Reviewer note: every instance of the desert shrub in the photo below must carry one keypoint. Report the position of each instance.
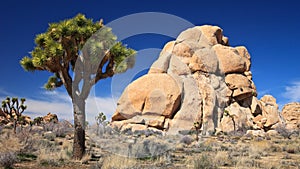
(127, 131)
(26, 157)
(147, 149)
(222, 158)
(49, 135)
(49, 126)
(9, 143)
(186, 140)
(284, 132)
(27, 140)
(8, 159)
(61, 129)
(204, 162)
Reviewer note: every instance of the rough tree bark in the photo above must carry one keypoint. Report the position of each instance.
(79, 127)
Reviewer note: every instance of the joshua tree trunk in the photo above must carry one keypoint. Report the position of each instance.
(79, 126)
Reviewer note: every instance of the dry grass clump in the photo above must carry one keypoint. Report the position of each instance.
(10, 145)
(115, 161)
(222, 158)
(259, 149)
(204, 161)
(244, 162)
(9, 142)
(54, 157)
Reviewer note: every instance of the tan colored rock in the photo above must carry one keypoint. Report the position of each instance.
(243, 93)
(204, 60)
(240, 116)
(211, 35)
(152, 94)
(157, 122)
(256, 133)
(209, 107)
(190, 110)
(28, 120)
(248, 74)
(133, 127)
(167, 123)
(138, 127)
(191, 34)
(270, 110)
(225, 41)
(177, 67)
(268, 99)
(291, 115)
(117, 116)
(260, 121)
(235, 81)
(117, 124)
(244, 53)
(229, 59)
(168, 48)
(183, 50)
(161, 65)
(256, 107)
(50, 118)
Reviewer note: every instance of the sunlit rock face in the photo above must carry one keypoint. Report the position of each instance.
(197, 78)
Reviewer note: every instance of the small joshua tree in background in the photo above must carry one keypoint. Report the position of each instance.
(101, 121)
(14, 109)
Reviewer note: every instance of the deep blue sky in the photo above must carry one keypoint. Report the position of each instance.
(269, 30)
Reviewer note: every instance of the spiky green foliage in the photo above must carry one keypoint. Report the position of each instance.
(58, 49)
(14, 109)
(100, 119)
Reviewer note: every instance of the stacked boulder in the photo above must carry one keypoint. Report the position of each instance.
(197, 78)
(291, 115)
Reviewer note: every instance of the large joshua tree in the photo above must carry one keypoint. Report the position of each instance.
(79, 53)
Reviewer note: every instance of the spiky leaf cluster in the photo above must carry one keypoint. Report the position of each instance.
(12, 106)
(78, 42)
(100, 119)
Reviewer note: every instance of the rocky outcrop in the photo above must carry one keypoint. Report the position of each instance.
(291, 115)
(50, 118)
(197, 78)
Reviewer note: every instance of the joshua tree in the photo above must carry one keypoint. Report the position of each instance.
(13, 109)
(100, 121)
(84, 49)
